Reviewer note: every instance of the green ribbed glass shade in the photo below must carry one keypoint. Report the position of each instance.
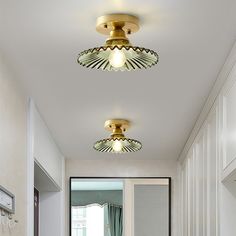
(127, 145)
(136, 58)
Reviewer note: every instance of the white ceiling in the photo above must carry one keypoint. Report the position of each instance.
(41, 40)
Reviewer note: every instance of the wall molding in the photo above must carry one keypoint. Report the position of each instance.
(220, 81)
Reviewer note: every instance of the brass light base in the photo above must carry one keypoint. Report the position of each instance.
(115, 124)
(106, 23)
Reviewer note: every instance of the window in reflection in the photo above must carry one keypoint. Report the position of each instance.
(88, 221)
(96, 208)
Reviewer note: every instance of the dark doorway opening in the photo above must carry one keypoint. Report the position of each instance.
(36, 212)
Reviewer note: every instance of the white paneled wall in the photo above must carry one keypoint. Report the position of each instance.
(208, 169)
(199, 180)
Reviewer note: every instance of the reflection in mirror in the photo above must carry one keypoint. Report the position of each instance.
(150, 210)
(96, 207)
(120, 206)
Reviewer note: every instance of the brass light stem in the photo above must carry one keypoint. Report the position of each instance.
(117, 26)
(117, 35)
(117, 132)
(117, 30)
(117, 127)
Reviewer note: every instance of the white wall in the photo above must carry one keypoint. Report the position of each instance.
(52, 209)
(125, 168)
(49, 202)
(52, 212)
(13, 145)
(51, 162)
(45, 151)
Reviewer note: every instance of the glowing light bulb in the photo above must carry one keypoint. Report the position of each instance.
(117, 58)
(117, 146)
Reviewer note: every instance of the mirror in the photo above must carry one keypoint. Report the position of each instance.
(120, 206)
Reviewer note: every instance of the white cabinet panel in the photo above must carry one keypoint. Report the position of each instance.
(228, 101)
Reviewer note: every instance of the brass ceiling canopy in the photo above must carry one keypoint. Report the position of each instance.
(117, 143)
(118, 54)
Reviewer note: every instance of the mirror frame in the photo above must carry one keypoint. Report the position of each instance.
(169, 193)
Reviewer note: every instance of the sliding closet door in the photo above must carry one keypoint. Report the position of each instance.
(147, 209)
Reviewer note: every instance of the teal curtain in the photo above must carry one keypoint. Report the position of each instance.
(115, 220)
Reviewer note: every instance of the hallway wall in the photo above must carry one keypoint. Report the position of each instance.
(13, 146)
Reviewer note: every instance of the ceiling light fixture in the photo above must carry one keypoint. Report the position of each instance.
(117, 143)
(118, 54)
